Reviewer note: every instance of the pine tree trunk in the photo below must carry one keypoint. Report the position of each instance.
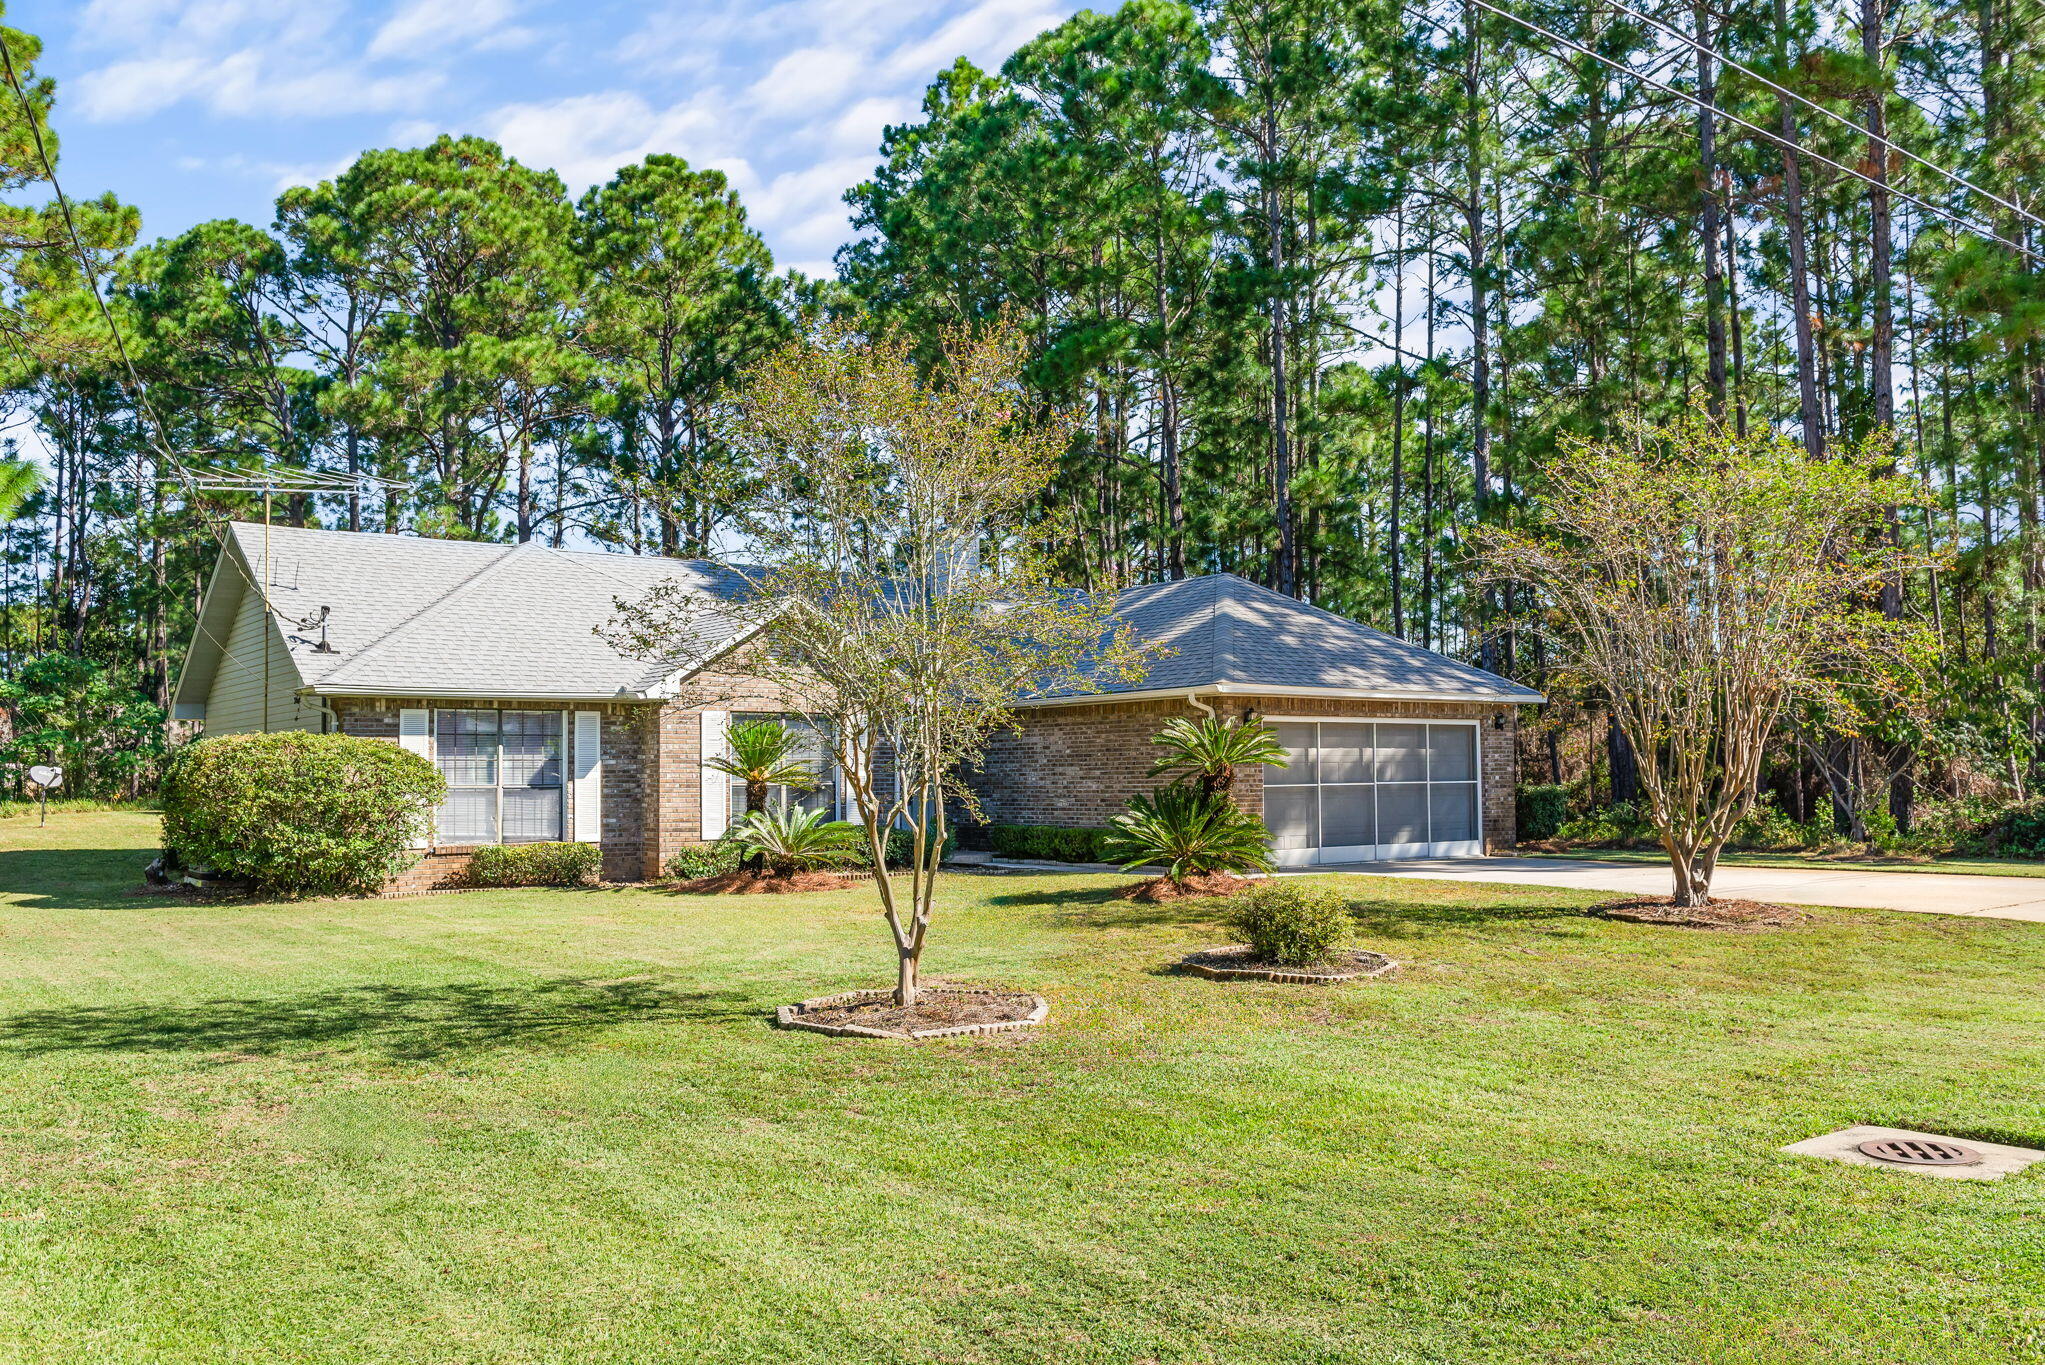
(1810, 413)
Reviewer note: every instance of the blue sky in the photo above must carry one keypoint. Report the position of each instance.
(196, 109)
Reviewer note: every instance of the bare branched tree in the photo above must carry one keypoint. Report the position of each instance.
(1705, 581)
(903, 603)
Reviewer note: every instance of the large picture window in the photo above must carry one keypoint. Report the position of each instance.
(1352, 790)
(503, 771)
(814, 753)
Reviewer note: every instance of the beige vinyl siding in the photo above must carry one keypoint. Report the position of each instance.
(236, 703)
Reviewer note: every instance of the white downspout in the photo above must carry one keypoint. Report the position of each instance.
(1194, 699)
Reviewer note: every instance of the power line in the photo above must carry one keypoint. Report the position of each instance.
(1836, 117)
(1986, 234)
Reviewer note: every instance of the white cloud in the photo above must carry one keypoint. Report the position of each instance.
(807, 78)
(586, 138)
(424, 28)
(985, 34)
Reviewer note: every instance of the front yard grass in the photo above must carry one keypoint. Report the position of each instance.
(556, 1126)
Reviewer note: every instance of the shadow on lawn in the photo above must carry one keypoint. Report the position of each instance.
(73, 878)
(408, 1023)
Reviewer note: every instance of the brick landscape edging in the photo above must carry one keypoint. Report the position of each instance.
(1213, 973)
(790, 1016)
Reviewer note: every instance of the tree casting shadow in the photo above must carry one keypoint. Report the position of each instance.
(73, 878)
(407, 1023)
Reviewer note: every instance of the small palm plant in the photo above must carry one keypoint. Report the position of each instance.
(1207, 752)
(763, 757)
(1190, 832)
(793, 839)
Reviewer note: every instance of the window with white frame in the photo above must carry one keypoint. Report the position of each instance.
(813, 752)
(504, 776)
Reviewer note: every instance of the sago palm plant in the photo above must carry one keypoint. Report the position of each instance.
(1189, 832)
(1207, 752)
(763, 756)
(793, 839)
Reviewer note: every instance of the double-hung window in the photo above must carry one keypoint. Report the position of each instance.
(814, 754)
(503, 771)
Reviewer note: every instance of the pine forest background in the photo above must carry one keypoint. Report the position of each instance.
(1326, 280)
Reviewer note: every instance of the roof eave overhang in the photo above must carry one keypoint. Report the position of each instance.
(404, 692)
(1526, 697)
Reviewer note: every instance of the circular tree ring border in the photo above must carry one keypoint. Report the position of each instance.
(1366, 964)
(791, 1016)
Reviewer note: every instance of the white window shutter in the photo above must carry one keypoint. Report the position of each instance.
(589, 777)
(716, 785)
(415, 732)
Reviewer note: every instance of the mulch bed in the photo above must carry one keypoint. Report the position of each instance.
(743, 883)
(1719, 914)
(939, 1011)
(1237, 962)
(1196, 887)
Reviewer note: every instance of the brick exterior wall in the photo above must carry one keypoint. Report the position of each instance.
(652, 773)
(1079, 765)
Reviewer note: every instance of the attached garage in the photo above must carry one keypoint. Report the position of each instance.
(1354, 789)
(1393, 750)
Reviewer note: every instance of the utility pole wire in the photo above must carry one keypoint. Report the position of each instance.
(1838, 118)
(1985, 234)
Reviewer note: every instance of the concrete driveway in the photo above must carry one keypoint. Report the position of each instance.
(1932, 893)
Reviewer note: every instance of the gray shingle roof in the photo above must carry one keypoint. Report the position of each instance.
(1227, 631)
(438, 616)
(412, 616)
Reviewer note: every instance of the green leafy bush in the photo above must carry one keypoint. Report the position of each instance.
(1542, 809)
(693, 862)
(2015, 831)
(1768, 829)
(791, 839)
(1054, 843)
(900, 846)
(535, 864)
(1291, 924)
(299, 814)
(1618, 826)
(1190, 832)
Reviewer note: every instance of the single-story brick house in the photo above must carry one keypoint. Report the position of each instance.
(485, 659)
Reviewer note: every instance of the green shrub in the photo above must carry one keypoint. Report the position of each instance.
(1542, 809)
(1054, 843)
(2015, 831)
(1619, 826)
(790, 839)
(535, 864)
(693, 862)
(299, 814)
(1768, 829)
(1190, 832)
(1291, 924)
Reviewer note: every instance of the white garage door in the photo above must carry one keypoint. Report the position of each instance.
(1353, 790)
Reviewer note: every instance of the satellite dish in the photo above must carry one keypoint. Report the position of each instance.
(46, 776)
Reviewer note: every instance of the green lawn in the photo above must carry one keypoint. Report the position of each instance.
(1833, 862)
(557, 1126)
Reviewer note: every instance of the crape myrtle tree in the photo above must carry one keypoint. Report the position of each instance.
(904, 608)
(1707, 581)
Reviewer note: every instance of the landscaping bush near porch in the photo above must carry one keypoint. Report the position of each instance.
(535, 865)
(299, 814)
(1053, 843)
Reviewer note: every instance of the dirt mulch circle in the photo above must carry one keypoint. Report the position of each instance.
(939, 1012)
(743, 883)
(1238, 963)
(1719, 914)
(1197, 887)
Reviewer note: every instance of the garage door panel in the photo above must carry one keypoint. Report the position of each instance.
(1345, 753)
(1451, 753)
(1452, 812)
(1402, 813)
(1297, 739)
(1348, 816)
(1401, 753)
(1293, 816)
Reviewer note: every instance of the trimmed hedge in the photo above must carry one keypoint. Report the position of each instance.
(535, 864)
(1290, 924)
(1053, 843)
(299, 814)
(693, 862)
(1542, 810)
